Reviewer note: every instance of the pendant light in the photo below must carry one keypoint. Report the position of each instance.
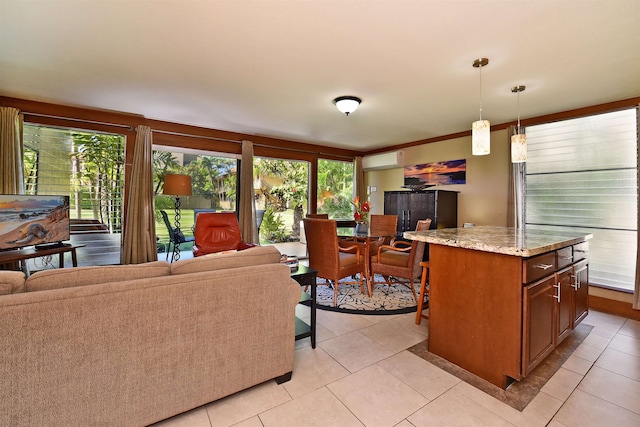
(519, 140)
(480, 129)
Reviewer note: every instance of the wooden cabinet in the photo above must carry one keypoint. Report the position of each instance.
(581, 291)
(563, 303)
(539, 331)
(410, 206)
(555, 303)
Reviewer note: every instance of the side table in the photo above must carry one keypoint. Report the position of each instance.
(306, 276)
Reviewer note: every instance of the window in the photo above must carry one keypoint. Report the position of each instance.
(89, 167)
(581, 175)
(281, 191)
(335, 188)
(213, 186)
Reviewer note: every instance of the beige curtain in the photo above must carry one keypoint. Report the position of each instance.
(358, 177)
(636, 292)
(140, 228)
(516, 188)
(247, 209)
(11, 151)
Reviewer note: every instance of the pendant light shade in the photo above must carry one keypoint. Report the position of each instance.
(347, 104)
(480, 138)
(519, 140)
(480, 129)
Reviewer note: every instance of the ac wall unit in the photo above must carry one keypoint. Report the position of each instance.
(390, 160)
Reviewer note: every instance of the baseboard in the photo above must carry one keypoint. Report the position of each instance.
(619, 308)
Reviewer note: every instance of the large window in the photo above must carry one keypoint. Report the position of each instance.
(281, 192)
(335, 188)
(89, 167)
(581, 175)
(213, 186)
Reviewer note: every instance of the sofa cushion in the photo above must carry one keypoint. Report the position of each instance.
(11, 282)
(257, 255)
(80, 276)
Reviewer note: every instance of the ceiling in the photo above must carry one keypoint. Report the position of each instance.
(272, 68)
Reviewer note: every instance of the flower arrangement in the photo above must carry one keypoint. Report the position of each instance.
(362, 210)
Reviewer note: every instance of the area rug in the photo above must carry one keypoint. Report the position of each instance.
(385, 299)
(520, 393)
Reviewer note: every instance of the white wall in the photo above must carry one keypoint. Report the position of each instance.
(482, 200)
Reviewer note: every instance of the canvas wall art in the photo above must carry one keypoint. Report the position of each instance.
(436, 173)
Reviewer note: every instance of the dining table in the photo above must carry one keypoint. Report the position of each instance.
(365, 241)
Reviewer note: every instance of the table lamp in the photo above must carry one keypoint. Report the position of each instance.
(177, 185)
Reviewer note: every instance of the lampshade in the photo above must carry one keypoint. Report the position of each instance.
(518, 148)
(347, 104)
(177, 185)
(519, 140)
(480, 138)
(480, 129)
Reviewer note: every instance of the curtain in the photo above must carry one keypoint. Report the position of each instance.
(140, 227)
(11, 151)
(636, 292)
(247, 219)
(358, 176)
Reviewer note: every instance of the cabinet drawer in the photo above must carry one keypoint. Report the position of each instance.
(538, 267)
(580, 251)
(564, 257)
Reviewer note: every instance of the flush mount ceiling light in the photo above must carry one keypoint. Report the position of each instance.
(519, 140)
(480, 129)
(347, 104)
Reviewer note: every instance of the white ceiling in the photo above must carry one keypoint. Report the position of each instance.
(272, 68)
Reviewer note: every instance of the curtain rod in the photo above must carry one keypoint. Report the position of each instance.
(317, 153)
(79, 120)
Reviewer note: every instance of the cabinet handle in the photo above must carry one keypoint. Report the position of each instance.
(557, 297)
(568, 258)
(543, 266)
(576, 283)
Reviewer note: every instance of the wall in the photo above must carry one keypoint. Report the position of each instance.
(483, 200)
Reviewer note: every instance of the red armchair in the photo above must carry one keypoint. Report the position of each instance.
(217, 232)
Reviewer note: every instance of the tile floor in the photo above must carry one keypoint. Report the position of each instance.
(360, 374)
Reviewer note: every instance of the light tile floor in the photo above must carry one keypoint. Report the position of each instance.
(360, 374)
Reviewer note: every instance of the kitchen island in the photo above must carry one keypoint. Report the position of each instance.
(501, 299)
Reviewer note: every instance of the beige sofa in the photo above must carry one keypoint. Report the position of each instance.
(132, 345)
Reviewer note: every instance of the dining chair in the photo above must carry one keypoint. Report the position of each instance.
(332, 261)
(400, 259)
(385, 226)
(318, 216)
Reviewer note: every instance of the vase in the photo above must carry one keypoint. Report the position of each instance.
(362, 228)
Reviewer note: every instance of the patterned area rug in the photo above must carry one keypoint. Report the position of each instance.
(385, 299)
(520, 393)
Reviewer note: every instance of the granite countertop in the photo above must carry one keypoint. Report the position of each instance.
(502, 240)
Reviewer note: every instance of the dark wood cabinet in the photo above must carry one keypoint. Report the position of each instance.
(539, 327)
(410, 206)
(581, 292)
(556, 303)
(563, 297)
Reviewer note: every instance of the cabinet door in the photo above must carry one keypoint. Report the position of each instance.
(420, 206)
(395, 204)
(538, 325)
(564, 302)
(581, 291)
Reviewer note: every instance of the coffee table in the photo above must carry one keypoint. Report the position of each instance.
(306, 276)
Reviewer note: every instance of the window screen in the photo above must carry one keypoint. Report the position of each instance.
(581, 175)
